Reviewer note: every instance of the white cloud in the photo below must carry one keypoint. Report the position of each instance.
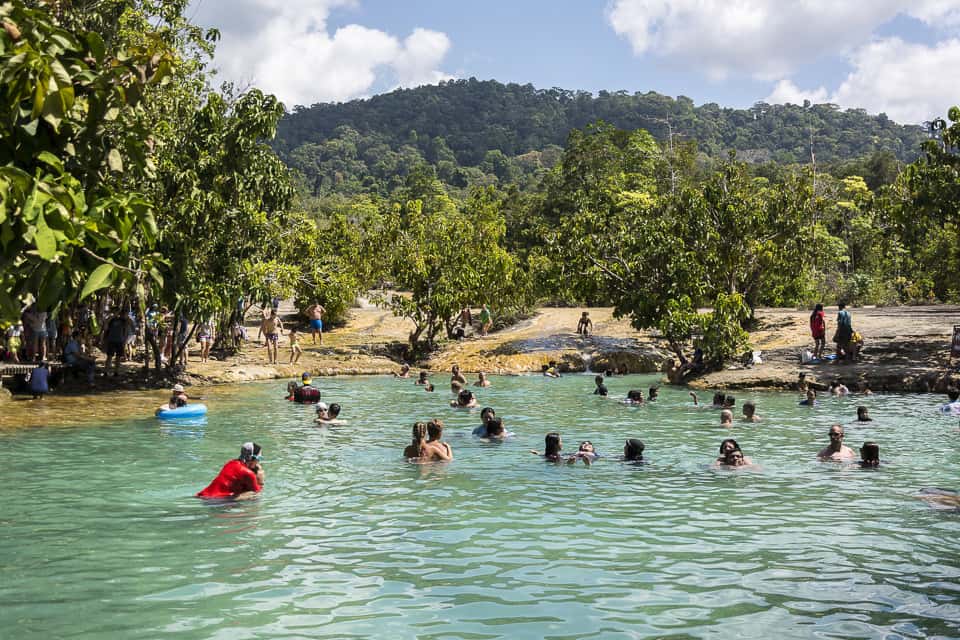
(285, 47)
(909, 82)
(767, 39)
(786, 92)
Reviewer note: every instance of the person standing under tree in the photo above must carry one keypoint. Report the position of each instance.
(818, 329)
(844, 331)
(315, 313)
(486, 320)
(271, 328)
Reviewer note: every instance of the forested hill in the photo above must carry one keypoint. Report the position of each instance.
(475, 131)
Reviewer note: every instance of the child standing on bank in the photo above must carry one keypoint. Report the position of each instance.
(295, 349)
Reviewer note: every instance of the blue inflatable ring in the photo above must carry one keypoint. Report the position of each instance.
(189, 411)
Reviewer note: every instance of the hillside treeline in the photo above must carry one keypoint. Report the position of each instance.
(480, 133)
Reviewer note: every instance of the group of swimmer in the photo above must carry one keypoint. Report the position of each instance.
(244, 476)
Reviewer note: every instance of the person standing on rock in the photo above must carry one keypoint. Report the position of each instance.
(844, 330)
(818, 329)
(585, 325)
(315, 313)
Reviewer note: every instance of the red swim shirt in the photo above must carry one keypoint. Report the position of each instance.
(234, 478)
(818, 327)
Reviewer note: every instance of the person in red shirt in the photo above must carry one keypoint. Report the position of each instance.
(818, 329)
(240, 478)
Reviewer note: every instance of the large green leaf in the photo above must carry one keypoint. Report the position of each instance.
(45, 240)
(100, 278)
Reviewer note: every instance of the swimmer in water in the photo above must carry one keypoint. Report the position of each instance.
(465, 400)
(750, 412)
(837, 388)
(482, 380)
(634, 396)
(552, 447)
(404, 371)
(549, 372)
(330, 416)
(422, 379)
(940, 498)
(601, 389)
(436, 448)
(495, 431)
(653, 393)
(415, 449)
(726, 447)
(734, 459)
(836, 450)
(457, 381)
(726, 418)
(585, 452)
(486, 414)
(811, 399)
(869, 455)
(428, 387)
(633, 451)
(862, 415)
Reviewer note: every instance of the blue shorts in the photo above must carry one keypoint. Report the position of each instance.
(317, 324)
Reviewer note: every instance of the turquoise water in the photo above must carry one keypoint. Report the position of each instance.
(103, 539)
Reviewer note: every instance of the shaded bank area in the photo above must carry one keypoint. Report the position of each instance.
(907, 349)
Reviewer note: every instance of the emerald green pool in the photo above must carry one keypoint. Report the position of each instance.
(102, 537)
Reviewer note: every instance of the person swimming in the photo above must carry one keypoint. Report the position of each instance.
(330, 415)
(465, 400)
(486, 414)
(811, 399)
(726, 418)
(585, 452)
(863, 415)
(653, 393)
(634, 396)
(869, 455)
(633, 450)
(549, 371)
(750, 412)
(414, 450)
(552, 447)
(422, 378)
(495, 430)
(482, 380)
(601, 389)
(436, 449)
(726, 447)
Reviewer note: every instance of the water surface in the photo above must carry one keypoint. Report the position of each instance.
(104, 539)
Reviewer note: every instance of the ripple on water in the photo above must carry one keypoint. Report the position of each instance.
(349, 541)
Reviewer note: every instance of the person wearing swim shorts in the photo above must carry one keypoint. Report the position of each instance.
(239, 478)
(271, 328)
(315, 313)
(205, 338)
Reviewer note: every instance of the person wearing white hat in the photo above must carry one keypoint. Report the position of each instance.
(240, 478)
(178, 398)
(322, 409)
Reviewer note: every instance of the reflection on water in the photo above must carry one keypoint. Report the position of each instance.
(103, 538)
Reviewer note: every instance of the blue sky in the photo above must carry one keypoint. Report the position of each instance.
(892, 56)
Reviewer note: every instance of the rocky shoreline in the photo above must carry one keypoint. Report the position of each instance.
(907, 351)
